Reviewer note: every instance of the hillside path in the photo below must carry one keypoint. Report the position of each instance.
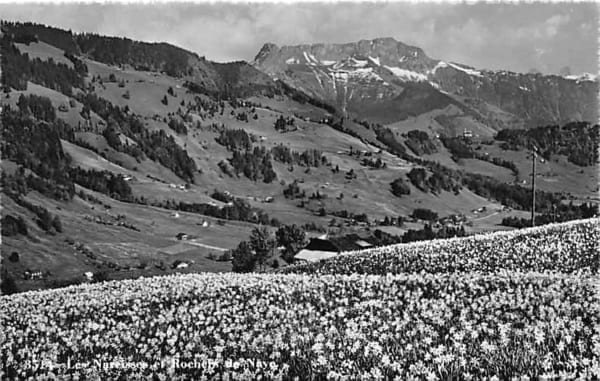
(205, 245)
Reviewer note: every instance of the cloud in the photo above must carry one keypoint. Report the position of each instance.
(554, 23)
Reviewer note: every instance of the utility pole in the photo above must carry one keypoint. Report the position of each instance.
(533, 157)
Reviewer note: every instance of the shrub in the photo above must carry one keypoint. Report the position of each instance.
(242, 258)
(400, 188)
(12, 226)
(424, 214)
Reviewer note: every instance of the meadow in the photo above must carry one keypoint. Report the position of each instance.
(498, 317)
(570, 247)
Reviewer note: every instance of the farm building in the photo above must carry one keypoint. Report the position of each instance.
(324, 247)
(182, 236)
(33, 274)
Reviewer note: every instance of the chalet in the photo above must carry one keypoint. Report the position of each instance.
(32, 274)
(363, 244)
(181, 236)
(323, 247)
(89, 275)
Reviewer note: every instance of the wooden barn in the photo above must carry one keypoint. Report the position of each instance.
(324, 248)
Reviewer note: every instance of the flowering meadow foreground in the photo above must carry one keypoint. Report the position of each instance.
(486, 323)
(566, 247)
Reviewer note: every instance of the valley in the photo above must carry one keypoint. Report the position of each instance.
(156, 138)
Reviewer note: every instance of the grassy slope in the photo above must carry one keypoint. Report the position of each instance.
(156, 240)
(44, 52)
(71, 116)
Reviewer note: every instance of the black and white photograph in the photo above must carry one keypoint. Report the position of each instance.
(300, 190)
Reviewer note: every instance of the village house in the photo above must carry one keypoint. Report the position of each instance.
(33, 274)
(323, 247)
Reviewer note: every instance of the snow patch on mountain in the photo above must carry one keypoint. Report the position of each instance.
(310, 59)
(306, 57)
(358, 63)
(442, 64)
(318, 77)
(358, 74)
(466, 70)
(375, 60)
(439, 65)
(407, 75)
(365, 73)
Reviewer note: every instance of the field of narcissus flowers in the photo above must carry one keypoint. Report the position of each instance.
(570, 247)
(487, 323)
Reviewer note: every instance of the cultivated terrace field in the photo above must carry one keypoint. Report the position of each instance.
(516, 305)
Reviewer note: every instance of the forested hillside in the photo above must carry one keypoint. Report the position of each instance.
(123, 158)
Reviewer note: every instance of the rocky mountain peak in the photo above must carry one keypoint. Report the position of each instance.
(373, 72)
(267, 49)
(385, 51)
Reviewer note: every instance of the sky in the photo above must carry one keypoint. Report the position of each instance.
(519, 37)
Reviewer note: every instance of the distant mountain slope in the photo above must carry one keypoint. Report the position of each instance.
(114, 148)
(236, 78)
(372, 74)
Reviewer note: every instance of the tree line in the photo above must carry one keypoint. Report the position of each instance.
(578, 141)
(156, 145)
(18, 69)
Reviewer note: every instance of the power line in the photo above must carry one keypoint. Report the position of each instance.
(534, 151)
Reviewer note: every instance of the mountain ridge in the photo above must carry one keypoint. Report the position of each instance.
(270, 46)
(341, 72)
